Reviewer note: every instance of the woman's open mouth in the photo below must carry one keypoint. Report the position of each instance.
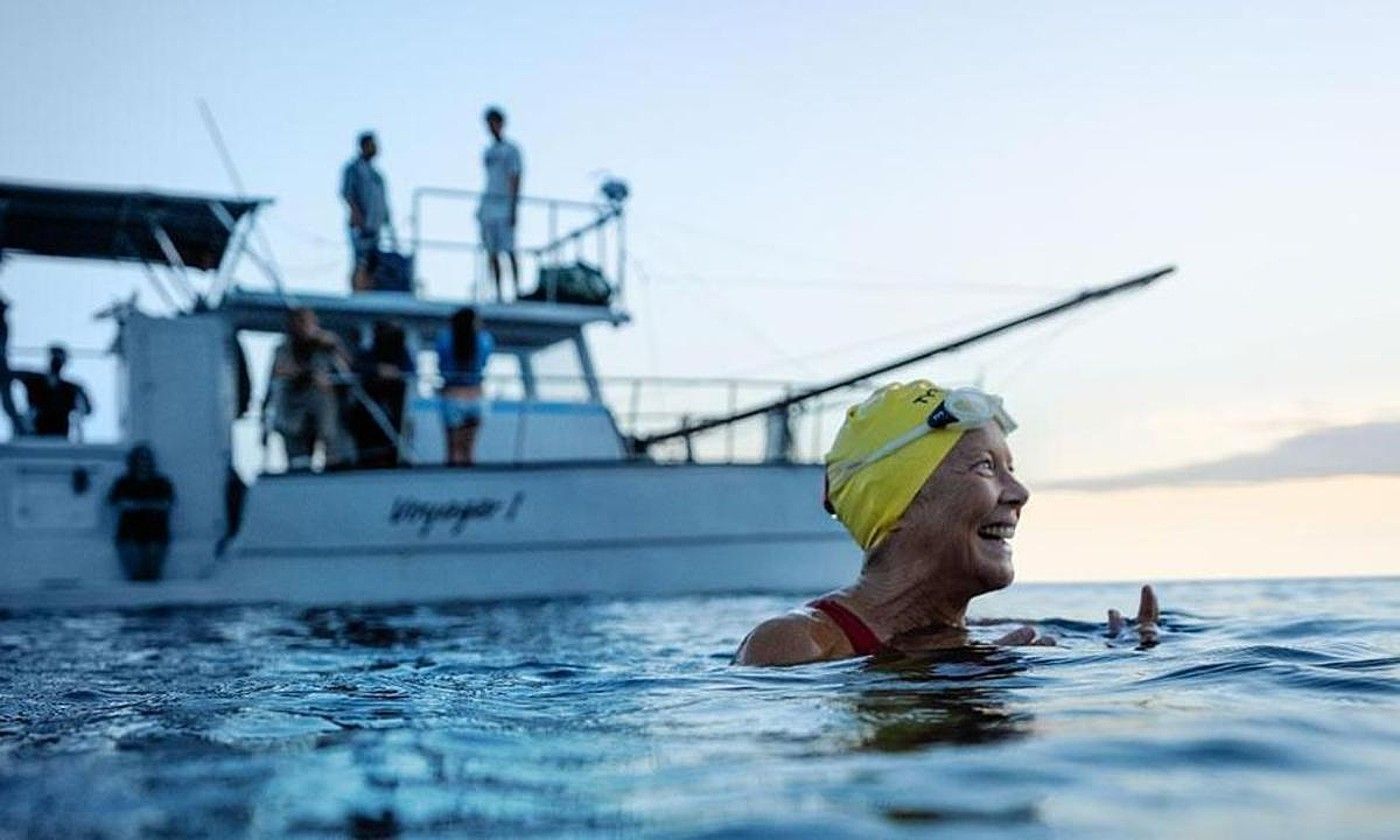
(997, 531)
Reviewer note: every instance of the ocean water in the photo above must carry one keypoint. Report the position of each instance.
(1268, 709)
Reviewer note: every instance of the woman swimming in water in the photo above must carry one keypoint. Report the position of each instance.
(922, 479)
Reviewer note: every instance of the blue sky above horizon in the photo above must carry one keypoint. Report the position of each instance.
(818, 186)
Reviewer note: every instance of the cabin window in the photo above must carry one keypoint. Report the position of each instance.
(558, 373)
(503, 380)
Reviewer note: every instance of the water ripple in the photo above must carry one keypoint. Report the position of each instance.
(577, 718)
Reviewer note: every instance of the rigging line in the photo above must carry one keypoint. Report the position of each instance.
(949, 324)
(865, 286)
(910, 282)
(1014, 347)
(767, 248)
(219, 146)
(267, 259)
(836, 282)
(307, 235)
(737, 316)
(1049, 338)
(650, 330)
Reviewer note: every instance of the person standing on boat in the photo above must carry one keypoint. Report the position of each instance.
(305, 370)
(53, 400)
(499, 201)
(362, 187)
(143, 499)
(922, 478)
(462, 352)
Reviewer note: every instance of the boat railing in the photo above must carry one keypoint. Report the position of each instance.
(645, 406)
(553, 236)
(638, 407)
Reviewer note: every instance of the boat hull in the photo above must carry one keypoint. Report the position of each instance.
(488, 533)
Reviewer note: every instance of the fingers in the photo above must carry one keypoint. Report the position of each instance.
(1148, 614)
(1148, 611)
(1023, 635)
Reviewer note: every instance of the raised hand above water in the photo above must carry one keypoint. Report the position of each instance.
(1145, 624)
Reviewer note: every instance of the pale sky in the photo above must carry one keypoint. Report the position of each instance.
(818, 187)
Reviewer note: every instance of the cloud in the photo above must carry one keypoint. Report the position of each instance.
(1367, 449)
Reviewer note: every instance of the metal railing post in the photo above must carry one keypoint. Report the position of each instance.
(635, 406)
(621, 256)
(553, 224)
(729, 430)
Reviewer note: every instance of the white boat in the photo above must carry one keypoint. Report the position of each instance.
(562, 502)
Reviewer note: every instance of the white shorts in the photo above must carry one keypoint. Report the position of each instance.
(497, 235)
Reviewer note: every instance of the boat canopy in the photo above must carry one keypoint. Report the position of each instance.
(518, 324)
(180, 231)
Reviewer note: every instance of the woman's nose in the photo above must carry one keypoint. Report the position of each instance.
(1014, 492)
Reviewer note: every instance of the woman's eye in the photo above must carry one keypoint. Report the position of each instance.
(985, 465)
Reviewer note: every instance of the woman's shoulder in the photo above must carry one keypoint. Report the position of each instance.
(793, 638)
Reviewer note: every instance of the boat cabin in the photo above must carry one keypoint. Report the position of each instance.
(544, 401)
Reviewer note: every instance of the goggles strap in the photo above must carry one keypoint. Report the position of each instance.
(888, 448)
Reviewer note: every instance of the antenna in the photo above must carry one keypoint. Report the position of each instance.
(218, 137)
(268, 262)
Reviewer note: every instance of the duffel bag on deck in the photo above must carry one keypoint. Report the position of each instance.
(393, 272)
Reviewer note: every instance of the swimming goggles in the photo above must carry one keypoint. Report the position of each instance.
(961, 408)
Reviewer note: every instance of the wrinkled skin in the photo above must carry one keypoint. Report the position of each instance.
(975, 487)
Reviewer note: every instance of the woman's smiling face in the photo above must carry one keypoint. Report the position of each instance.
(966, 512)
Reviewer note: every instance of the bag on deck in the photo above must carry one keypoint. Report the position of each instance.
(393, 272)
(579, 283)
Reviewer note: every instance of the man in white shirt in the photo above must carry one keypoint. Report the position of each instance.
(500, 199)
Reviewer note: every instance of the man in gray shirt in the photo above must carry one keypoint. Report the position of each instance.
(362, 187)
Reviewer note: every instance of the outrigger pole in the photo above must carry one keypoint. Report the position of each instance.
(641, 444)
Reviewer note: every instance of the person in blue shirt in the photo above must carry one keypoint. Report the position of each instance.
(462, 352)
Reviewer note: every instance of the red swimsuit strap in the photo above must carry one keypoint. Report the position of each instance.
(863, 640)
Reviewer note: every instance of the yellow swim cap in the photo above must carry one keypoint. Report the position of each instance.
(889, 446)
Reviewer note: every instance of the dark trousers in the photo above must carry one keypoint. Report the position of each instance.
(142, 560)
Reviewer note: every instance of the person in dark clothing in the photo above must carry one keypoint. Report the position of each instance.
(53, 400)
(19, 424)
(383, 369)
(143, 499)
